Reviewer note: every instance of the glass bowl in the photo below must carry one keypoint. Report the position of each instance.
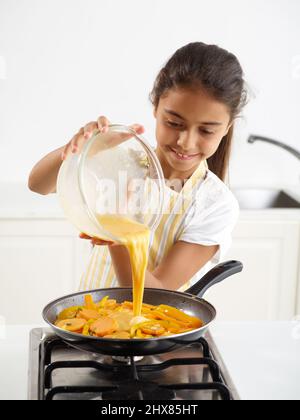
(116, 173)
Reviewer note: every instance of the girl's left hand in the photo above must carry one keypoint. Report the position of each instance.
(96, 241)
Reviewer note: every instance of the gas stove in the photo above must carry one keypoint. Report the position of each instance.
(58, 371)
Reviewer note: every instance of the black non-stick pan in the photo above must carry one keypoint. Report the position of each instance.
(190, 302)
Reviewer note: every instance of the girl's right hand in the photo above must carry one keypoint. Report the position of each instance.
(77, 142)
(97, 241)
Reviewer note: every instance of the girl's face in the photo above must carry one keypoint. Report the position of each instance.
(190, 126)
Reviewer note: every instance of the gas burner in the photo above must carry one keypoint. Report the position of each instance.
(59, 371)
(126, 359)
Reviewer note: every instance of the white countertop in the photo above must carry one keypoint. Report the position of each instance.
(263, 359)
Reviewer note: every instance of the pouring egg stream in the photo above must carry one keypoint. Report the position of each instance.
(126, 320)
(135, 236)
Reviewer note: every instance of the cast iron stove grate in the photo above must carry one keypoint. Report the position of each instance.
(189, 373)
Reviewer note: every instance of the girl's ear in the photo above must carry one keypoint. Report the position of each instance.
(154, 112)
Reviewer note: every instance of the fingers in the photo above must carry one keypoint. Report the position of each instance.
(103, 124)
(119, 137)
(89, 129)
(86, 132)
(66, 151)
(84, 236)
(138, 128)
(95, 241)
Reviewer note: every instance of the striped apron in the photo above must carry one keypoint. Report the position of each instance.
(178, 210)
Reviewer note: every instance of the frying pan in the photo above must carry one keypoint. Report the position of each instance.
(190, 302)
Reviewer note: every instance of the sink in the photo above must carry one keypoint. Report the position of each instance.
(264, 198)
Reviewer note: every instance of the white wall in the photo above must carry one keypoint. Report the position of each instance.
(65, 62)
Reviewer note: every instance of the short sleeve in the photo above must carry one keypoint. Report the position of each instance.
(213, 223)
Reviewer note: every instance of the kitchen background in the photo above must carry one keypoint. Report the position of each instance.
(63, 63)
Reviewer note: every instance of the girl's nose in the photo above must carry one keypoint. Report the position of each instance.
(187, 141)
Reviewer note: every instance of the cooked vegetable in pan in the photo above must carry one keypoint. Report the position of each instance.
(109, 319)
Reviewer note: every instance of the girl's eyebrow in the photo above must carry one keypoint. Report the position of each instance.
(175, 114)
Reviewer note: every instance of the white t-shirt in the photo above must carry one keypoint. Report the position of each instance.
(211, 220)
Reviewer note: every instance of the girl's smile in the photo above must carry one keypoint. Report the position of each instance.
(182, 157)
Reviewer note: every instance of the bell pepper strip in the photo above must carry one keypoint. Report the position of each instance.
(147, 306)
(140, 334)
(180, 316)
(161, 316)
(86, 328)
(111, 304)
(102, 302)
(133, 330)
(184, 330)
(146, 311)
(171, 327)
(127, 304)
(89, 303)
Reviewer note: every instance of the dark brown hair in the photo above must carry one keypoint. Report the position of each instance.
(198, 65)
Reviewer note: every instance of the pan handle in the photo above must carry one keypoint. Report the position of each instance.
(216, 275)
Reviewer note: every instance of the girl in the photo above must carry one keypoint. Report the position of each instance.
(196, 98)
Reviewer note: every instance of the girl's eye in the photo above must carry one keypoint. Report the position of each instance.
(174, 124)
(206, 132)
(180, 126)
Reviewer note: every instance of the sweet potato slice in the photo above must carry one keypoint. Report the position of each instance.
(88, 314)
(72, 325)
(104, 326)
(69, 313)
(152, 328)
